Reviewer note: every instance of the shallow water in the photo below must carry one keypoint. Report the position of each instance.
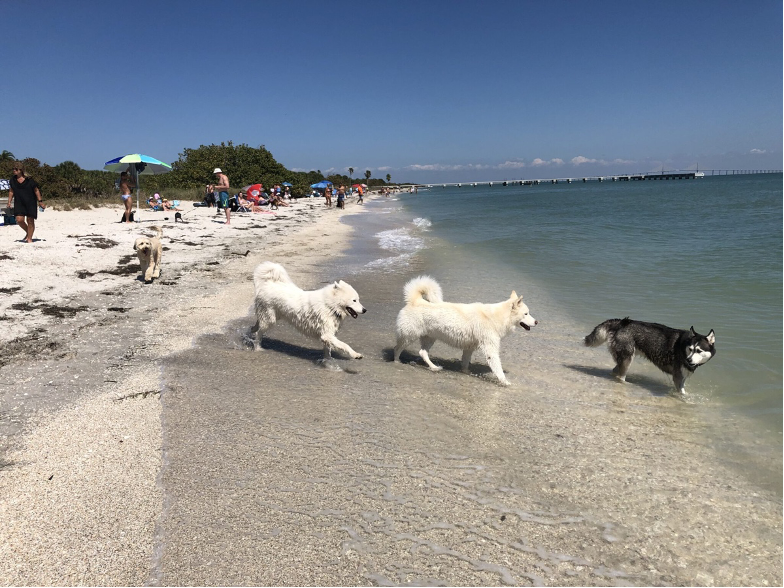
(704, 253)
(281, 469)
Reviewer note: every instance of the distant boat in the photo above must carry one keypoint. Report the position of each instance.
(699, 174)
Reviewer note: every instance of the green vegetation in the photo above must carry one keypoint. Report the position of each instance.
(66, 185)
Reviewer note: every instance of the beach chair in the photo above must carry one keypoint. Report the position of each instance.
(238, 203)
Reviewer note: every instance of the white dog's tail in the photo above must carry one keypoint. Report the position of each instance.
(270, 272)
(423, 287)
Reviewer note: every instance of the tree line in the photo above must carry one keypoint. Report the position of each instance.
(193, 170)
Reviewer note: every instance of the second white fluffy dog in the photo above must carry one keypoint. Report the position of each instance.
(314, 313)
(466, 326)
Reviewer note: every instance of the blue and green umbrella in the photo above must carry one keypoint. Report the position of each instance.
(138, 165)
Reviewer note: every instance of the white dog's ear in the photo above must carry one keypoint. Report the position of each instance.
(335, 286)
(513, 295)
(519, 301)
(134, 246)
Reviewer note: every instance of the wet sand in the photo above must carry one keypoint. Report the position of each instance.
(274, 468)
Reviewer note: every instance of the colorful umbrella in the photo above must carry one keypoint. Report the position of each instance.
(253, 191)
(287, 184)
(139, 165)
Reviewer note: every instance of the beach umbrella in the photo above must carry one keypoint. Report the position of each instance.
(287, 184)
(321, 185)
(254, 190)
(139, 165)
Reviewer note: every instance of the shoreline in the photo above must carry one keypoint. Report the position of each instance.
(580, 479)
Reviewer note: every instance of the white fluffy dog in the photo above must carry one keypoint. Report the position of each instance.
(149, 251)
(314, 313)
(466, 326)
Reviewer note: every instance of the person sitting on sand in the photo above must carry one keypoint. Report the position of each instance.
(155, 202)
(275, 201)
(168, 205)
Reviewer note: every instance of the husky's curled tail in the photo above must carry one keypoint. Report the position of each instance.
(270, 272)
(422, 288)
(603, 331)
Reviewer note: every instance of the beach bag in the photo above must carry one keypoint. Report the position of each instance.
(9, 219)
(130, 218)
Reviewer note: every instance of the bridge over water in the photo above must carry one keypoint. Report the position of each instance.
(657, 176)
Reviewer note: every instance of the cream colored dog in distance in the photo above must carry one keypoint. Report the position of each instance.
(314, 313)
(149, 250)
(466, 326)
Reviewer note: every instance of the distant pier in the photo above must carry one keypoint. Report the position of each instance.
(663, 175)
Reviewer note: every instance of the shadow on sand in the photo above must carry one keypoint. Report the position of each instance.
(654, 386)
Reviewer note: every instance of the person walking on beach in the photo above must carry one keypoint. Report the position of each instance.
(126, 187)
(342, 197)
(27, 198)
(361, 191)
(222, 187)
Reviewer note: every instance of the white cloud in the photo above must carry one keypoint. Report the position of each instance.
(444, 167)
(538, 162)
(510, 165)
(758, 151)
(580, 160)
(384, 168)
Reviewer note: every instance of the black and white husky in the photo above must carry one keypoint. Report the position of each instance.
(673, 351)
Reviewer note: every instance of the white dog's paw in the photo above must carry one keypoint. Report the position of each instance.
(357, 356)
(436, 368)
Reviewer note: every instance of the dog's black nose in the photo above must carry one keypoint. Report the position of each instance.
(364, 310)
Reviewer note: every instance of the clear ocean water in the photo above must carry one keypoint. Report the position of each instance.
(705, 253)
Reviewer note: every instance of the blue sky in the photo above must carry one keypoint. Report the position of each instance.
(424, 91)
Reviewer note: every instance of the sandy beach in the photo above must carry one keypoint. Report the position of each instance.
(130, 457)
(82, 337)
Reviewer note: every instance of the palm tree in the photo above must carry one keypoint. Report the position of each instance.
(7, 156)
(388, 178)
(367, 175)
(350, 173)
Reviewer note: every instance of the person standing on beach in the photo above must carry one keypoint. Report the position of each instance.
(27, 198)
(126, 187)
(222, 188)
